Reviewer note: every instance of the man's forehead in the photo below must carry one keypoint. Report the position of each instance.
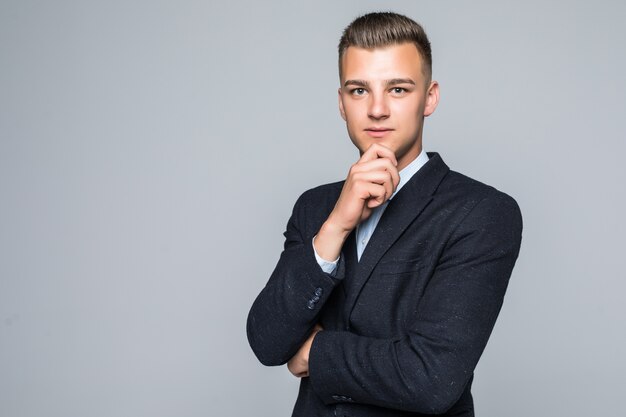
(386, 62)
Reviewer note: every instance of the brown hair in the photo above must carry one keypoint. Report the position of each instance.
(379, 29)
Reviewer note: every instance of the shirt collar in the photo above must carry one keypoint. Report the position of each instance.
(408, 171)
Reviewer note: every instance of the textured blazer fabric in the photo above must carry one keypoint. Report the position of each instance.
(405, 326)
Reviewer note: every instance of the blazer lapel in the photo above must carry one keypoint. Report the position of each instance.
(401, 211)
(351, 261)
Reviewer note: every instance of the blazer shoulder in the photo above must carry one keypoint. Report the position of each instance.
(313, 207)
(320, 196)
(322, 190)
(480, 200)
(464, 186)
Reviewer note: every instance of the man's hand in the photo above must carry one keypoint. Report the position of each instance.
(370, 182)
(299, 364)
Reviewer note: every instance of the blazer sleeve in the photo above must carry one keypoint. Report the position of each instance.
(427, 369)
(286, 310)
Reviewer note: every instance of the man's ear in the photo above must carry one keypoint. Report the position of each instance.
(432, 98)
(341, 110)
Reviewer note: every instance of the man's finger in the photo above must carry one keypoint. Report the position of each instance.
(376, 151)
(383, 178)
(379, 164)
(375, 195)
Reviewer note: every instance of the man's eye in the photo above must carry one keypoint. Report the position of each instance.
(358, 91)
(398, 90)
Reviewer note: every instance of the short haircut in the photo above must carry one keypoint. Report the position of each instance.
(380, 29)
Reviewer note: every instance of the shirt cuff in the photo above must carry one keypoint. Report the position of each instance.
(327, 266)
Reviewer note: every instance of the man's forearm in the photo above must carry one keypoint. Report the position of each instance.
(287, 309)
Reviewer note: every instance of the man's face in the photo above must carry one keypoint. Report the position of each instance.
(384, 97)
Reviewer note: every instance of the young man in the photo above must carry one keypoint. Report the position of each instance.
(390, 282)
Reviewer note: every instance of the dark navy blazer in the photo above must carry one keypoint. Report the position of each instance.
(404, 327)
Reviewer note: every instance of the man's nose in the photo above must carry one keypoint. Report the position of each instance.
(378, 106)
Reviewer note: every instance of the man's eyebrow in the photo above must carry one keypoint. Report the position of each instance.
(359, 83)
(395, 81)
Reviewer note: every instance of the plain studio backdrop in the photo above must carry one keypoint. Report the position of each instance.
(151, 153)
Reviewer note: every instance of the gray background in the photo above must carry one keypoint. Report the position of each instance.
(151, 152)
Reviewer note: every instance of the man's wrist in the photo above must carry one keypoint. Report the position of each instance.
(330, 267)
(330, 240)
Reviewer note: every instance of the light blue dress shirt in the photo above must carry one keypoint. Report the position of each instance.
(366, 228)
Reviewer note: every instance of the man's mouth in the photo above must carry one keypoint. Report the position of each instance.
(378, 132)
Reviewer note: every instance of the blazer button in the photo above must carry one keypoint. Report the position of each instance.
(310, 305)
(319, 291)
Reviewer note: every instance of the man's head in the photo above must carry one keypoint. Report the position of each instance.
(381, 29)
(386, 88)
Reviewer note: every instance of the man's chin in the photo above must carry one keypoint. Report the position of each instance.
(364, 143)
(368, 144)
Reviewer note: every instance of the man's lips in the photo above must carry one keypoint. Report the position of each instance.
(378, 132)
